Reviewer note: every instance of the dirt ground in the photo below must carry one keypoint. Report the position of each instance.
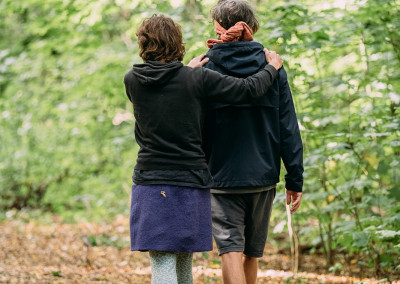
(94, 253)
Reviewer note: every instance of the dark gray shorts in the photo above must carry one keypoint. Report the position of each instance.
(240, 221)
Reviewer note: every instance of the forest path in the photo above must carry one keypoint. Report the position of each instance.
(99, 253)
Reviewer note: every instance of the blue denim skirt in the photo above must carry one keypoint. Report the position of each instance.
(170, 218)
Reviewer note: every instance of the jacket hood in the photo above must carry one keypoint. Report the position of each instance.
(155, 72)
(240, 58)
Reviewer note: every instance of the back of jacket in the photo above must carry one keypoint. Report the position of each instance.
(169, 102)
(244, 143)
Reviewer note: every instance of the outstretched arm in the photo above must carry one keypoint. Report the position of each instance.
(226, 89)
(271, 56)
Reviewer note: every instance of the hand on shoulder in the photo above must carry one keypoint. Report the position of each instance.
(273, 59)
(198, 61)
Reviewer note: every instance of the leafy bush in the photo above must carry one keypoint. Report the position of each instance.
(66, 128)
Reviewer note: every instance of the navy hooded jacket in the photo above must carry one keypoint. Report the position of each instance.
(244, 143)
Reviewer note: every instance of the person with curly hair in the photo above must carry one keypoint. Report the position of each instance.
(170, 206)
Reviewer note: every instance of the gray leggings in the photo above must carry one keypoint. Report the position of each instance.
(171, 267)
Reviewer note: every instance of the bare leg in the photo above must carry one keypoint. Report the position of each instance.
(250, 267)
(232, 268)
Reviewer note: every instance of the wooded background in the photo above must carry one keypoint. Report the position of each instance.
(66, 126)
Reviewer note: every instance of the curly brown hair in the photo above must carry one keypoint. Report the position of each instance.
(228, 12)
(160, 39)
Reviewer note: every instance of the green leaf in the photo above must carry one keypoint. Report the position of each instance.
(388, 234)
(56, 273)
(361, 239)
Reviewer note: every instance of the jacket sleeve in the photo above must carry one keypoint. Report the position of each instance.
(291, 144)
(226, 89)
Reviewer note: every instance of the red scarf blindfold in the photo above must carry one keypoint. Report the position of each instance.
(240, 31)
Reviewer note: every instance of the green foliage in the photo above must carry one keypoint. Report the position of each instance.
(56, 273)
(105, 240)
(66, 126)
(344, 62)
(66, 129)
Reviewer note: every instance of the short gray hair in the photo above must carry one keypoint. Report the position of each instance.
(228, 12)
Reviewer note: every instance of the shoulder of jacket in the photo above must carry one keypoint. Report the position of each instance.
(128, 76)
(196, 71)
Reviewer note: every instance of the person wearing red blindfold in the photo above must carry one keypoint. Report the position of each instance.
(244, 145)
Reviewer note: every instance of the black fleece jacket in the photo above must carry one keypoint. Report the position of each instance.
(244, 143)
(169, 102)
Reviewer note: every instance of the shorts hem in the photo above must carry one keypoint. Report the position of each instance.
(254, 254)
(230, 249)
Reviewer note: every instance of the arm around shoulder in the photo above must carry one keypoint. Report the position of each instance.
(227, 89)
(238, 90)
